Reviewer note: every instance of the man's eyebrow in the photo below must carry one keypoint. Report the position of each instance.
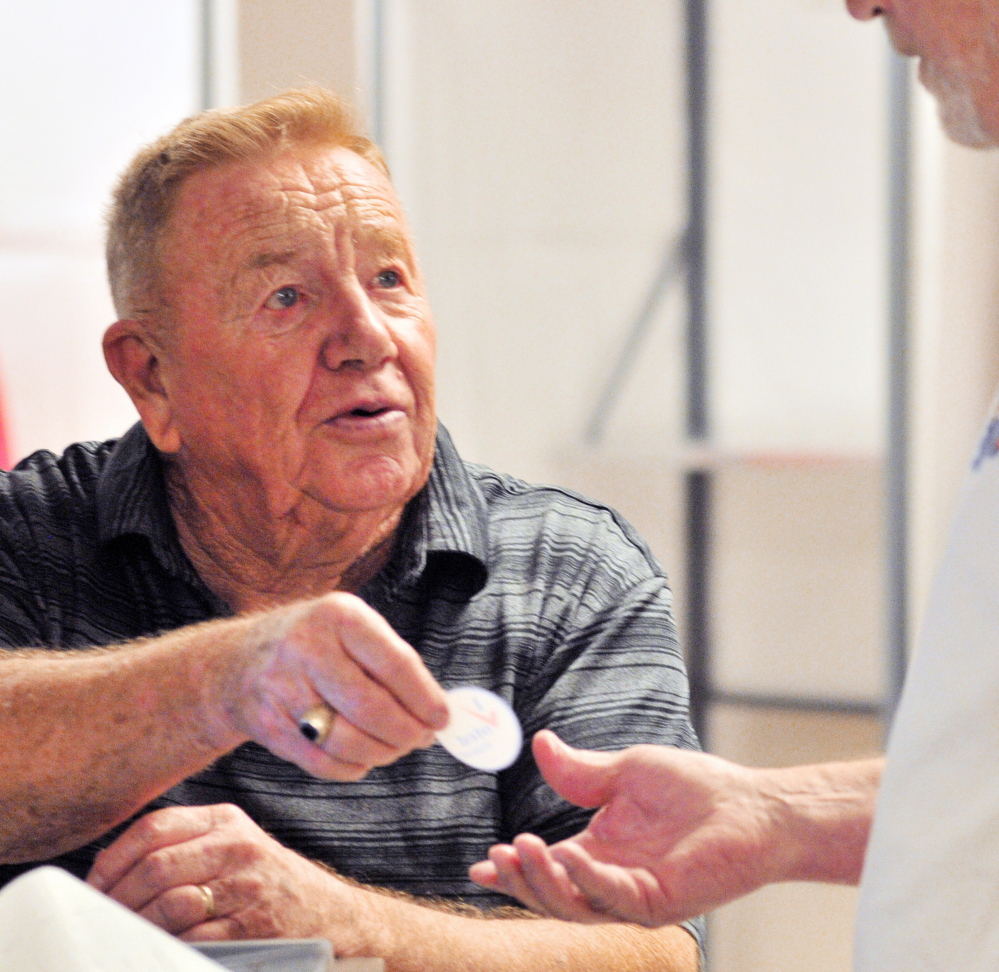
(387, 237)
(270, 259)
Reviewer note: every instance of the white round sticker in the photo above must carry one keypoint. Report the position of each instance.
(483, 731)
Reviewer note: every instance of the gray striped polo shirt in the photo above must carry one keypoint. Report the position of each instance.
(544, 597)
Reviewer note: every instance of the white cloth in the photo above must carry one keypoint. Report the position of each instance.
(51, 921)
(930, 892)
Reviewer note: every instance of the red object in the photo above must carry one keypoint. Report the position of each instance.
(5, 462)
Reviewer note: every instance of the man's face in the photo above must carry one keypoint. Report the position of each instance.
(300, 369)
(957, 42)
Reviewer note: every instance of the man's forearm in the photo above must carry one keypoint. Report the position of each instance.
(414, 937)
(824, 819)
(88, 737)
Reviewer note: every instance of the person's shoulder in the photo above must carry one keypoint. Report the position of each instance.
(545, 513)
(47, 478)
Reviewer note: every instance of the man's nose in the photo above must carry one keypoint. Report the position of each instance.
(359, 335)
(865, 9)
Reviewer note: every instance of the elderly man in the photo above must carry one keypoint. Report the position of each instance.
(287, 529)
(679, 833)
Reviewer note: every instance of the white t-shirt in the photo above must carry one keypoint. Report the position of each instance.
(930, 892)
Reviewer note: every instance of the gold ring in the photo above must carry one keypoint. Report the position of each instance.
(208, 896)
(315, 725)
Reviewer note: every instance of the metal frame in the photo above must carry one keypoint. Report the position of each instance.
(699, 483)
(671, 270)
(689, 254)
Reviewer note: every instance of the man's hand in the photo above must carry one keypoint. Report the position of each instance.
(174, 864)
(87, 738)
(677, 834)
(258, 888)
(338, 652)
(680, 833)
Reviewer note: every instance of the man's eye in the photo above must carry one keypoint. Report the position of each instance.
(389, 279)
(284, 298)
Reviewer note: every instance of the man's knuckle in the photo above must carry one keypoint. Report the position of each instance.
(150, 828)
(227, 813)
(337, 607)
(252, 853)
(157, 868)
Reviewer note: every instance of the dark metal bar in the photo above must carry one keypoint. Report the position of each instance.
(697, 488)
(896, 476)
(673, 263)
(698, 483)
(697, 214)
(207, 54)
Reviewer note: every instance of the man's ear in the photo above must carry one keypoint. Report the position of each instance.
(135, 364)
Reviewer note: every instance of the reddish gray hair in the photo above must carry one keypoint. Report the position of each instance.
(145, 194)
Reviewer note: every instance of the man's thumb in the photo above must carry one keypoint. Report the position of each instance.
(580, 776)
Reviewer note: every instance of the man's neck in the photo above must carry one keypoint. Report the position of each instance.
(254, 561)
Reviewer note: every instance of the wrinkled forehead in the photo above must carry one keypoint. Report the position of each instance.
(301, 193)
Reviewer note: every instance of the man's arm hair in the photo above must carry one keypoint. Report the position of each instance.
(430, 935)
(87, 738)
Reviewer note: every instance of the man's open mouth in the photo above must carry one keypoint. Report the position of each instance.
(369, 412)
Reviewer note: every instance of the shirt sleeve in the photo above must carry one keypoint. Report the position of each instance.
(23, 560)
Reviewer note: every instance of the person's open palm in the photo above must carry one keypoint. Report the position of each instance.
(677, 833)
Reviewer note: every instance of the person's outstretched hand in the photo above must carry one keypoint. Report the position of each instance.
(679, 833)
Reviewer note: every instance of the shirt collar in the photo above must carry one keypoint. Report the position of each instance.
(444, 536)
(132, 501)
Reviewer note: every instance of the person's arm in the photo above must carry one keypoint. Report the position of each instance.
(89, 737)
(680, 833)
(260, 889)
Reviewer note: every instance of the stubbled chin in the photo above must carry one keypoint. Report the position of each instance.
(959, 115)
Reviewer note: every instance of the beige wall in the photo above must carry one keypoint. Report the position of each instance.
(284, 44)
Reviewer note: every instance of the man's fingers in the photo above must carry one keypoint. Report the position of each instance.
(186, 865)
(284, 739)
(147, 835)
(218, 930)
(527, 872)
(625, 894)
(338, 651)
(371, 708)
(179, 909)
(578, 775)
(509, 879)
(484, 873)
(370, 640)
(550, 884)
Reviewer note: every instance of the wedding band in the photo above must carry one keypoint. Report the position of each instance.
(315, 725)
(208, 896)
